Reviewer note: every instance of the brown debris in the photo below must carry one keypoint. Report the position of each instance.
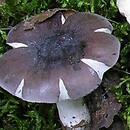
(103, 107)
(2, 2)
(117, 125)
(28, 25)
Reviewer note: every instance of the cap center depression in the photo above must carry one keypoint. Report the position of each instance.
(63, 48)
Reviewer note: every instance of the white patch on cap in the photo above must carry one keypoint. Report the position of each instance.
(97, 66)
(19, 90)
(73, 112)
(105, 30)
(17, 44)
(62, 19)
(63, 91)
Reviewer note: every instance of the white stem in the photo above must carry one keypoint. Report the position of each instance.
(73, 114)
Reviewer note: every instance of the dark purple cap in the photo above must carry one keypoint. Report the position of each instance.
(59, 54)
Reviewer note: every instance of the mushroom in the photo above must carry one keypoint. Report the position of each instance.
(124, 8)
(59, 56)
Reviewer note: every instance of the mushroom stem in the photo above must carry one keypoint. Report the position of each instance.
(74, 114)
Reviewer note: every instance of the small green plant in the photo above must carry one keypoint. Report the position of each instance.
(122, 92)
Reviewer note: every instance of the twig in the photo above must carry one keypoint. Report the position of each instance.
(125, 72)
(5, 29)
(113, 21)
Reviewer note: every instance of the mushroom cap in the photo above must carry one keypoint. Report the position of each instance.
(57, 55)
(124, 8)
